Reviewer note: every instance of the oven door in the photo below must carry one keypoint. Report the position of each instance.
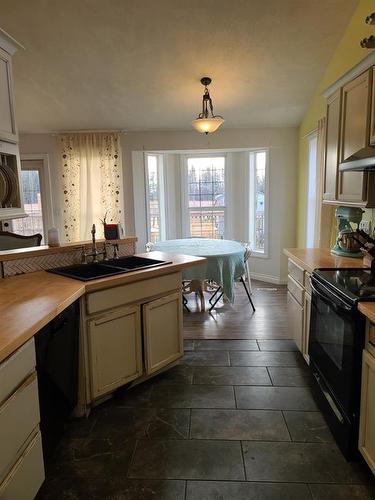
(335, 345)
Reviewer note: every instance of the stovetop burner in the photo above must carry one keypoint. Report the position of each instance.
(356, 284)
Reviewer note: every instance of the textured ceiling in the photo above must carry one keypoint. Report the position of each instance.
(136, 64)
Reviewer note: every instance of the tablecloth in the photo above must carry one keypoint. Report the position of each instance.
(225, 260)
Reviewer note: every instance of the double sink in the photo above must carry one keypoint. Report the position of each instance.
(111, 267)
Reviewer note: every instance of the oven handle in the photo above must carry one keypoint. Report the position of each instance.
(338, 302)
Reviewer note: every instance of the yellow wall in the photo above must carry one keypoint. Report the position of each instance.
(347, 54)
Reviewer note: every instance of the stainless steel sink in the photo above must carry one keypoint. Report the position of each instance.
(112, 267)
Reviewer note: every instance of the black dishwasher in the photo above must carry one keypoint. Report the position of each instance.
(57, 350)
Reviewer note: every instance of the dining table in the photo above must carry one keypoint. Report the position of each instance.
(224, 261)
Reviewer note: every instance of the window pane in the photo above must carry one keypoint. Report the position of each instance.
(33, 205)
(260, 179)
(153, 187)
(206, 196)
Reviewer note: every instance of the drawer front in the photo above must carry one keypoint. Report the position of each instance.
(295, 272)
(133, 292)
(16, 368)
(19, 416)
(27, 476)
(295, 289)
(307, 283)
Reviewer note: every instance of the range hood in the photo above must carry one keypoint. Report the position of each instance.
(363, 160)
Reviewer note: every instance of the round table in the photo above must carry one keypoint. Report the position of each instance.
(225, 260)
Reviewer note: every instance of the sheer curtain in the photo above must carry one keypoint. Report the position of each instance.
(91, 180)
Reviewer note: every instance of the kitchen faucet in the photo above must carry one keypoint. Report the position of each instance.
(94, 250)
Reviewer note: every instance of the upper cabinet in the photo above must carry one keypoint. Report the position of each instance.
(349, 120)
(11, 202)
(8, 46)
(332, 146)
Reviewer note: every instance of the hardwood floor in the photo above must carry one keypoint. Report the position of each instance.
(237, 321)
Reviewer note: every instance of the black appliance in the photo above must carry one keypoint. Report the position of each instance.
(57, 348)
(337, 337)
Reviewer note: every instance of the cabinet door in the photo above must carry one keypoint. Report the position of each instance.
(7, 121)
(372, 125)
(306, 325)
(295, 320)
(162, 327)
(115, 349)
(354, 136)
(332, 146)
(367, 414)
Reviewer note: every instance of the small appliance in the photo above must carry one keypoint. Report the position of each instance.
(347, 244)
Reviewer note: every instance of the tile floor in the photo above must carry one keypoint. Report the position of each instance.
(234, 420)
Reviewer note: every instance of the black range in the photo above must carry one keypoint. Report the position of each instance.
(337, 337)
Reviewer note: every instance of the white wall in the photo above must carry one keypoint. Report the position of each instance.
(282, 145)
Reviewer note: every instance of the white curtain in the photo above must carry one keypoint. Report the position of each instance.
(91, 180)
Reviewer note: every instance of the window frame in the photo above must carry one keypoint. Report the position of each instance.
(251, 203)
(161, 195)
(45, 188)
(185, 210)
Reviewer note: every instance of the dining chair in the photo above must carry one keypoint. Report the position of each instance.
(12, 241)
(218, 293)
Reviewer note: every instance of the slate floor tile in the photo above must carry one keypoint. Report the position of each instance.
(95, 458)
(341, 492)
(231, 375)
(277, 345)
(221, 490)
(275, 398)
(188, 345)
(226, 345)
(185, 396)
(290, 377)
(239, 424)
(305, 426)
(297, 462)
(179, 374)
(187, 459)
(206, 358)
(264, 358)
(142, 423)
(146, 489)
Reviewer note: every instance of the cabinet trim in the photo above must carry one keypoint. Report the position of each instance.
(9, 136)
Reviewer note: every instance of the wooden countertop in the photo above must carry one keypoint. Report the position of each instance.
(368, 309)
(313, 258)
(29, 301)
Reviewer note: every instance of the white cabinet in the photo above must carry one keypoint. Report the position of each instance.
(295, 320)
(115, 349)
(21, 459)
(299, 307)
(11, 202)
(367, 413)
(162, 328)
(130, 331)
(7, 121)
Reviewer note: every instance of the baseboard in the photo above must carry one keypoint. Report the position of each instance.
(268, 278)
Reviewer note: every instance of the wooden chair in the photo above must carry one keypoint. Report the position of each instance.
(11, 241)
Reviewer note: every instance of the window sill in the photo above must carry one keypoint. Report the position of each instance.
(258, 255)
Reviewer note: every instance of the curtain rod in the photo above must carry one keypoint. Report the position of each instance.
(88, 132)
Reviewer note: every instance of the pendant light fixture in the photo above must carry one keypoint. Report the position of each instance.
(207, 122)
